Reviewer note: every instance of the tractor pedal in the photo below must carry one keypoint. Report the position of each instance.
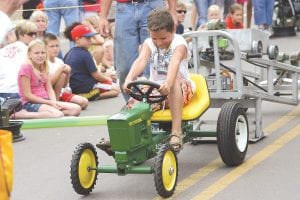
(105, 146)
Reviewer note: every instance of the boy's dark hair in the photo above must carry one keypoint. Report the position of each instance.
(67, 32)
(234, 7)
(160, 19)
(49, 37)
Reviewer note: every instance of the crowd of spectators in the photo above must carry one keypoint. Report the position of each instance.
(262, 9)
(38, 76)
(99, 57)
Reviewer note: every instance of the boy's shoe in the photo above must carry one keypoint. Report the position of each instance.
(176, 142)
(105, 145)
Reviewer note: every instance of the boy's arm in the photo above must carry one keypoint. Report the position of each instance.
(138, 65)
(98, 76)
(57, 73)
(179, 54)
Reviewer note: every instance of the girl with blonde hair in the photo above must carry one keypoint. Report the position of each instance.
(35, 88)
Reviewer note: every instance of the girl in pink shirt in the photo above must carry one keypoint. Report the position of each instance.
(35, 88)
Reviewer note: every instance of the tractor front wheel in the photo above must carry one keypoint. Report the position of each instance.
(165, 171)
(84, 168)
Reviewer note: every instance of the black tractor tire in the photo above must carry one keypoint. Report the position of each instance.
(165, 171)
(83, 168)
(232, 133)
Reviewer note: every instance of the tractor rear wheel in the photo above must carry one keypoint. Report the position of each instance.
(165, 171)
(83, 168)
(232, 133)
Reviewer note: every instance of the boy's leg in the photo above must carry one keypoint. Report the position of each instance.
(109, 94)
(98, 54)
(81, 101)
(176, 104)
(70, 109)
(60, 83)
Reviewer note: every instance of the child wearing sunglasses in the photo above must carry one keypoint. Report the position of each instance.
(12, 56)
(181, 11)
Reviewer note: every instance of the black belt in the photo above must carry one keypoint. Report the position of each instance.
(132, 1)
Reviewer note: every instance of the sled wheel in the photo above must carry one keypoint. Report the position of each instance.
(165, 171)
(256, 47)
(83, 168)
(272, 52)
(232, 133)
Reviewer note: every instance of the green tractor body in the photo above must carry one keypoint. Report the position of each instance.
(130, 135)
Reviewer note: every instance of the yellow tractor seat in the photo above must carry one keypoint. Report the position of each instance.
(196, 107)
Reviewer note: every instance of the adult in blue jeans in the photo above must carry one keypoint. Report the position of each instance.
(202, 7)
(70, 15)
(130, 30)
(263, 12)
(225, 4)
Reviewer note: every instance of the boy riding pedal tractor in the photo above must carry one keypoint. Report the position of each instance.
(168, 56)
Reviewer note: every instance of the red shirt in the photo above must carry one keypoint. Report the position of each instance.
(242, 1)
(230, 25)
(95, 8)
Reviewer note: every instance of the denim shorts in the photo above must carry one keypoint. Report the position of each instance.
(32, 107)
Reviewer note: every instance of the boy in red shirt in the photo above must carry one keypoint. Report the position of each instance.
(234, 19)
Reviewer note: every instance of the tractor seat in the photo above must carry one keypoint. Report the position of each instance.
(194, 109)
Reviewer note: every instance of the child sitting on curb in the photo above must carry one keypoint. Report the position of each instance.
(60, 73)
(35, 87)
(85, 78)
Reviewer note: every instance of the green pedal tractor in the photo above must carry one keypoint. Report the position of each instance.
(133, 139)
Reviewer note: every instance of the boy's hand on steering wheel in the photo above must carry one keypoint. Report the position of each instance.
(124, 87)
(164, 89)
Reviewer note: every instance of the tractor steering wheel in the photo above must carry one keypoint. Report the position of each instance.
(145, 94)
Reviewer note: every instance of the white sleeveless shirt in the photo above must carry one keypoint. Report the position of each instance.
(160, 59)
